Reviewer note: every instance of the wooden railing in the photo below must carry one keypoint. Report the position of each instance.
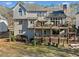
(59, 25)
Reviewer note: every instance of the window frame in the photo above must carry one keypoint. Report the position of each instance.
(20, 22)
(20, 11)
(32, 22)
(20, 31)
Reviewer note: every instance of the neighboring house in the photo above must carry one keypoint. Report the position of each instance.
(3, 24)
(34, 20)
(77, 22)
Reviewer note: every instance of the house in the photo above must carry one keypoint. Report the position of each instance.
(36, 21)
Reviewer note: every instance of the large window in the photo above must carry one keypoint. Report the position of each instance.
(40, 14)
(65, 6)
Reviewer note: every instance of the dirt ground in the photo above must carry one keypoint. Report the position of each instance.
(19, 49)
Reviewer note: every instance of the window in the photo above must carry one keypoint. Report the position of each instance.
(20, 11)
(20, 31)
(40, 14)
(20, 22)
(65, 6)
(24, 12)
(44, 31)
(78, 27)
(51, 19)
(32, 22)
(61, 18)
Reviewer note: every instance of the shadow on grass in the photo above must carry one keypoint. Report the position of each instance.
(68, 51)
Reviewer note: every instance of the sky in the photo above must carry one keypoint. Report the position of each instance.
(11, 4)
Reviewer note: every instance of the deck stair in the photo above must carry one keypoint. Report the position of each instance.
(74, 46)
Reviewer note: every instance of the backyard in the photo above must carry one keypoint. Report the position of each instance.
(19, 49)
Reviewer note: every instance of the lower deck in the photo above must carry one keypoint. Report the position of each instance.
(58, 40)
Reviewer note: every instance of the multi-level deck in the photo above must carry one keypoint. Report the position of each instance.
(46, 33)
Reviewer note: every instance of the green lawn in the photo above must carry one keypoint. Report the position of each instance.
(22, 50)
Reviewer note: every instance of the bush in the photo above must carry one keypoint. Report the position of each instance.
(21, 38)
(56, 45)
(31, 40)
(34, 42)
(18, 37)
(13, 38)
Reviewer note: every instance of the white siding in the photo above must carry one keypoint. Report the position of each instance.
(18, 27)
(16, 13)
(24, 27)
(30, 25)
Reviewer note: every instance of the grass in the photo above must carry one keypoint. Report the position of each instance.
(17, 49)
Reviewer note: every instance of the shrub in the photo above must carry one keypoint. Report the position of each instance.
(31, 40)
(21, 38)
(13, 38)
(34, 42)
(18, 37)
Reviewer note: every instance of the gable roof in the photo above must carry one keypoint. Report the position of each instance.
(32, 7)
(36, 7)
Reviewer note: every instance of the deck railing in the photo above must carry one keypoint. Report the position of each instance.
(59, 25)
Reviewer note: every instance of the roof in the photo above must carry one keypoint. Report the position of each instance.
(59, 13)
(33, 7)
(36, 7)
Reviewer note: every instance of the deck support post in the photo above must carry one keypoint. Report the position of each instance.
(75, 37)
(42, 34)
(9, 36)
(59, 37)
(50, 34)
(68, 36)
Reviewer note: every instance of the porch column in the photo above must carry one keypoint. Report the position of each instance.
(51, 32)
(75, 37)
(34, 42)
(68, 36)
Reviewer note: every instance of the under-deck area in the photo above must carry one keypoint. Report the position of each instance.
(54, 35)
